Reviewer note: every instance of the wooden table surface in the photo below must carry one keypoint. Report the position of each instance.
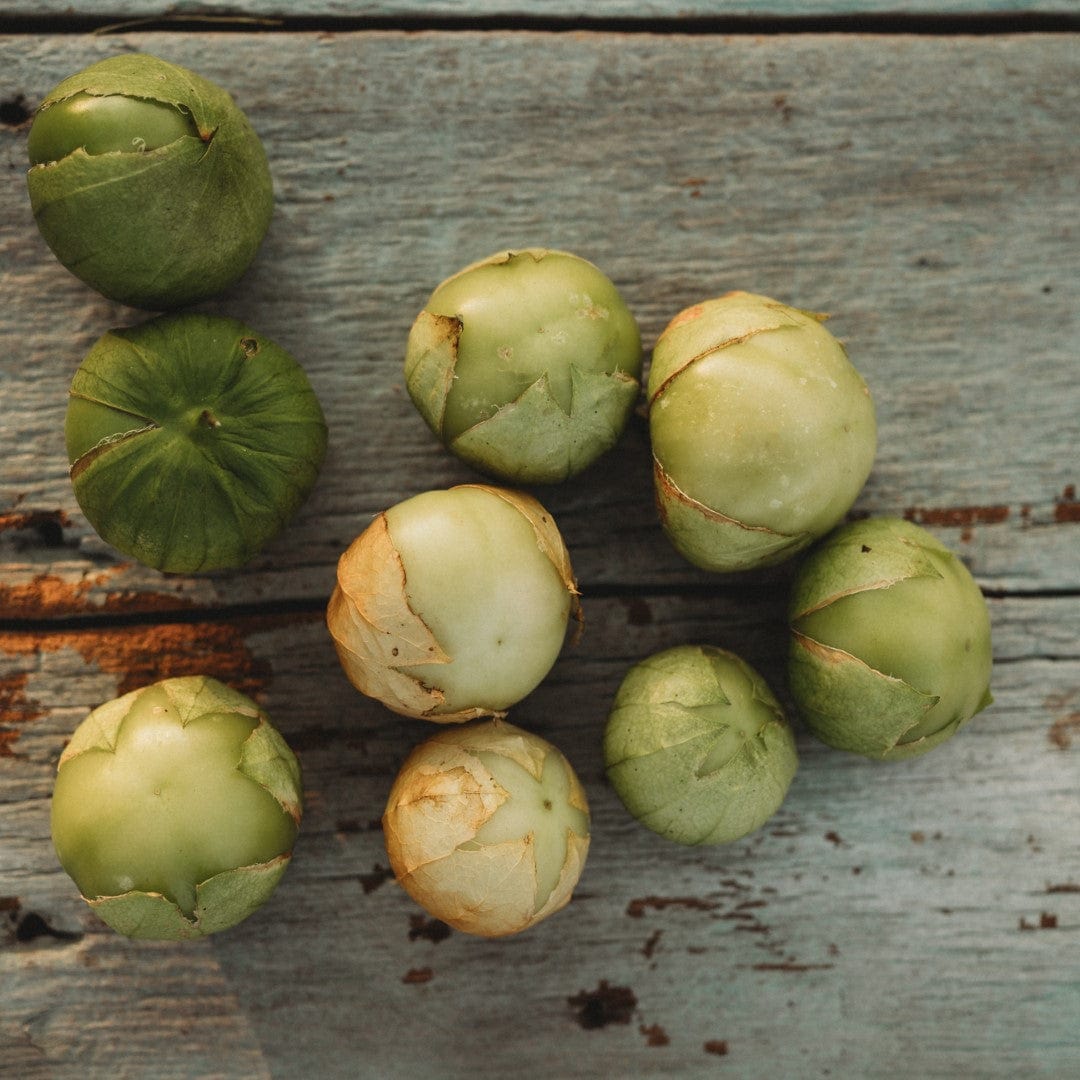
(919, 179)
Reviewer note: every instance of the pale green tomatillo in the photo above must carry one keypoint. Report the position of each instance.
(526, 365)
(762, 432)
(697, 747)
(175, 808)
(890, 652)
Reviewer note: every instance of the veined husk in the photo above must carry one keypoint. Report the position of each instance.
(193, 441)
(536, 435)
(162, 228)
(230, 896)
(845, 701)
(762, 431)
(442, 797)
(697, 746)
(377, 633)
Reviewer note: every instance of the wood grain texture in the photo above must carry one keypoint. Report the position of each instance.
(237, 11)
(921, 190)
(909, 920)
(913, 920)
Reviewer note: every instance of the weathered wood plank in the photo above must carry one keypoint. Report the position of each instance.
(908, 920)
(922, 190)
(599, 10)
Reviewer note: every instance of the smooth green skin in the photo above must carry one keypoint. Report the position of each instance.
(192, 441)
(913, 633)
(103, 125)
(540, 808)
(763, 426)
(148, 182)
(494, 601)
(177, 785)
(526, 365)
(697, 747)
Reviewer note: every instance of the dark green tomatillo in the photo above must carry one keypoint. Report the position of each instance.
(192, 441)
(526, 365)
(148, 182)
(890, 651)
(175, 808)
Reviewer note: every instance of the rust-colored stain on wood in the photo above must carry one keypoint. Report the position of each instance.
(1047, 921)
(49, 524)
(654, 1034)
(957, 516)
(636, 908)
(417, 976)
(1062, 730)
(140, 655)
(52, 596)
(15, 708)
(1066, 507)
(717, 1046)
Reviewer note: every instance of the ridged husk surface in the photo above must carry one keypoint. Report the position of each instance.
(161, 228)
(443, 797)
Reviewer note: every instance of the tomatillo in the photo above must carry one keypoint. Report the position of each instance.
(487, 827)
(526, 365)
(175, 809)
(697, 746)
(148, 182)
(762, 431)
(890, 640)
(193, 440)
(453, 604)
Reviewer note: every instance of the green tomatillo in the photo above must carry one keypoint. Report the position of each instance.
(148, 182)
(697, 746)
(192, 440)
(526, 365)
(487, 827)
(175, 809)
(453, 604)
(762, 432)
(890, 650)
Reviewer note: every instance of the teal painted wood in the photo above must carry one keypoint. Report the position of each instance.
(891, 921)
(910, 921)
(919, 189)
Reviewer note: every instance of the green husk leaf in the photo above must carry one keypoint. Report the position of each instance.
(534, 440)
(267, 759)
(832, 686)
(222, 901)
(870, 554)
(232, 444)
(165, 227)
(713, 541)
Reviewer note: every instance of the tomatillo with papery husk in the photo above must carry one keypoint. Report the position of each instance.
(763, 433)
(453, 604)
(193, 440)
(487, 827)
(890, 651)
(148, 182)
(526, 365)
(175, 809)
(697, 746)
